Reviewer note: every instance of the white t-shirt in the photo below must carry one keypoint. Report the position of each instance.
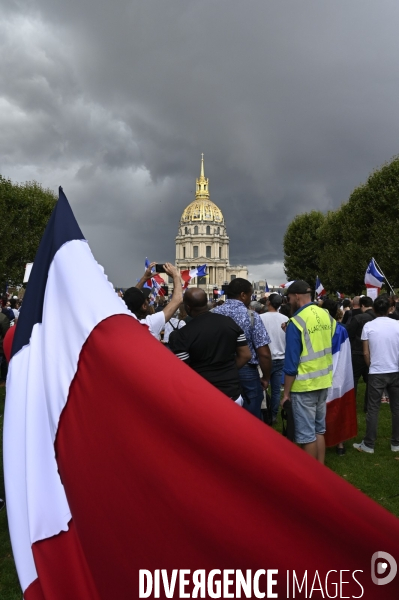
(383, 336)
(156, 323)
(171, 326)
(272, 321)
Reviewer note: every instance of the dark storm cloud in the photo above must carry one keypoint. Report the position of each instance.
(293, 104)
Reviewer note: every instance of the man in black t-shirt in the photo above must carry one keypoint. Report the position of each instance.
(354, 329)
(213, 345)
(350, 314)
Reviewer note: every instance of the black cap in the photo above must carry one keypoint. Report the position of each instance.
(134, 299)
(146, 292)
(299, 287)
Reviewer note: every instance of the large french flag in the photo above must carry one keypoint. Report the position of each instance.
(111, 469)
(341, 420)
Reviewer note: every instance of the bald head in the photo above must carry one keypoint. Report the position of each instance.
(356, 302)
(195, 301)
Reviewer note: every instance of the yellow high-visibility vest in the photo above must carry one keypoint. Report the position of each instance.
(315, 368)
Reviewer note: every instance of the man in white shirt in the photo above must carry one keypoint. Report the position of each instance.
(138, 304)
(381, 352)
(272, 321)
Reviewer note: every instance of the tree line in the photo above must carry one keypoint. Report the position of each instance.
(24, 212)
(338, 245)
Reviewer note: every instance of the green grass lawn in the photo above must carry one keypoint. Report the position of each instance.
(376, 475)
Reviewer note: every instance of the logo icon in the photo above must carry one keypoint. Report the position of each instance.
(384, 564)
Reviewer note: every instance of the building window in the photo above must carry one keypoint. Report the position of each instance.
(208, 251)
(195, 252)
(186, 230)
(208, 230)
(196, 230)
(184, 252)
(218, 231)
(232, 277)
(201, 280)
(220, 251)
(170, 279)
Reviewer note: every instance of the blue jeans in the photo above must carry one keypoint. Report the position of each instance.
(252, 389)
(275, 384)
(309, 410)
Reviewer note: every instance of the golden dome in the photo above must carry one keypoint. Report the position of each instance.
(202, 208)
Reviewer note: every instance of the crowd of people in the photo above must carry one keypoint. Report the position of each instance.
(8, 315)
(281, 344)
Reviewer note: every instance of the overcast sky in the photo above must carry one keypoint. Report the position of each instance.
(292, 102)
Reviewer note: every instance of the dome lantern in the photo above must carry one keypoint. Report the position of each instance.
(202, 208)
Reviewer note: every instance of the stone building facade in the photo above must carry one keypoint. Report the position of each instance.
(202, 238)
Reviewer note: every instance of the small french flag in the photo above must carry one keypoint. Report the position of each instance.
(373, 277)
(190, 273)
(320, 291)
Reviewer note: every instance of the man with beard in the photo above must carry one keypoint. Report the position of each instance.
(308, 367)
(137, 301)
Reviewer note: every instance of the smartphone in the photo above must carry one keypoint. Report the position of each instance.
(159, 269)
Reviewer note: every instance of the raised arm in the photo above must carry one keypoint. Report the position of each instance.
(177, 296)
(146, 276)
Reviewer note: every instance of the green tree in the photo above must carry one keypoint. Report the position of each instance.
(366, 226)
(339, 246)
(302, 245)
(25, 210)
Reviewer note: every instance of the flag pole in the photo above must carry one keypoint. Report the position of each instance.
(379, 268)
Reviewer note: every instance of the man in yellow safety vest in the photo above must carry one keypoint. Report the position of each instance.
(308, 367)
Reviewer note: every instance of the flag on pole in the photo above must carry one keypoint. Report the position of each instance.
(373, 277)
(320, 291)
(148, 283)
(107, 475)
(189, 274)
(286, 285)
(157, 286)
(340, 296)
(155, 279)
(267, 288)
(341, 420)
(45, 353)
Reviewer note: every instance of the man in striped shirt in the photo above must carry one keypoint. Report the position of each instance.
(213, 345)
